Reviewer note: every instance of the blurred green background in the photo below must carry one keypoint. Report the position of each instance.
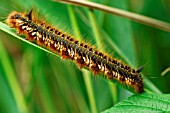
(35, 81)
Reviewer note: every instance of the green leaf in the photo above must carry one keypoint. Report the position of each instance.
(144, 103)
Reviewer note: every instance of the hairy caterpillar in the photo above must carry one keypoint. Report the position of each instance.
(68, 48)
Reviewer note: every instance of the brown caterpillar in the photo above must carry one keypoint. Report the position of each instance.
(68, 48)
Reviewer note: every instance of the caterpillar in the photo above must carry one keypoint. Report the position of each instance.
(68, 48)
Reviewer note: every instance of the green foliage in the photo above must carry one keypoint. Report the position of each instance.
(143, 103)
(32, 79)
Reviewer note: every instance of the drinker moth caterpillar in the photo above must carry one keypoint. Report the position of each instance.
(69, 48)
